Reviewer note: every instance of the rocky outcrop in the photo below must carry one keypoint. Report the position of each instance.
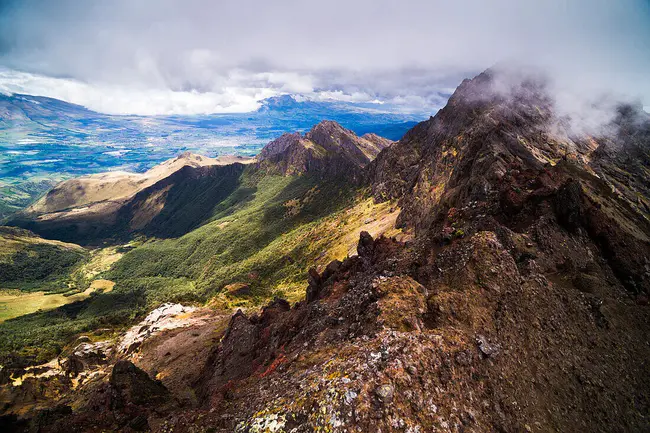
(348, 299)
(280, 145)
(86, 356)
(160, 319)
(327, 150)
(380, 142)
(127, 400)
(134, 386)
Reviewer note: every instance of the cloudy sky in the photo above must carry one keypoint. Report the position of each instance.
(202, 56)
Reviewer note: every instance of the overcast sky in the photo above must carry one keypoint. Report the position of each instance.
(201, 56)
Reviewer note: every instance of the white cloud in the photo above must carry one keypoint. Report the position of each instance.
(236, 96)
(116, 99)
(195, 56)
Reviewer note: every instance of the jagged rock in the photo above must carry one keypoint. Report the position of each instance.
(86, 356)
(72, 365)
(135, 386)
(272, 311)
(314, 282)
(568, 205)
(237, 349)
(331, 269)
(488, 349)
(365, 245)
(279, 145)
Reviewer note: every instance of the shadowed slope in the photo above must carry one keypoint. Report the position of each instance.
(168, 200)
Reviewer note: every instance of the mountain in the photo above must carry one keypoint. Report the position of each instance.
(117, 186)
(516, 161)
(510, 294)
(288, 103)
(18, 109)
(177, 195)
(168, 199)
(526, 281)
(327, 149)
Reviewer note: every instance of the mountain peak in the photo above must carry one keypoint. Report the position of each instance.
(282, 102)
(327, 148)
(327, 125)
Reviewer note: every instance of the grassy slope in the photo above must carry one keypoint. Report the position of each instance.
(15, 196)
(265, 234)
(251, 238)
(29, 262)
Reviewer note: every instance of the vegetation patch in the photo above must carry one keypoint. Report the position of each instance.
(31, 263)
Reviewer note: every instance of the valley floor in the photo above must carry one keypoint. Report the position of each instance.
(15, 303)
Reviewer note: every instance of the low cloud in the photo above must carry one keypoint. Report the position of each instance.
(568, 113)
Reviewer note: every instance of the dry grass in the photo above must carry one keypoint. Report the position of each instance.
(14, 303)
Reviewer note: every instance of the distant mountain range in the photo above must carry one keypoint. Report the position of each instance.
(45, 140)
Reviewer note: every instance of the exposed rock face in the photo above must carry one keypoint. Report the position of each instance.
(129, 400)
(379, 142)
(99, 380)
(328, 150)
(279, 145)
(86, 356)
(160, 319)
